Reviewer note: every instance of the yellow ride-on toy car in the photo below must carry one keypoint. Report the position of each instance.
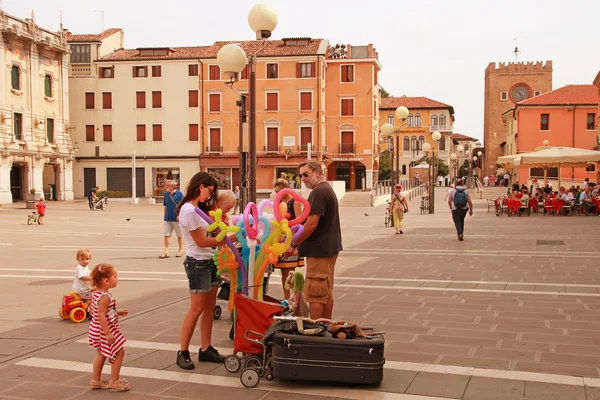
(74, 307)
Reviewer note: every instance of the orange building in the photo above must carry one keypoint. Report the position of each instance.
(597, 84)
(565, 117)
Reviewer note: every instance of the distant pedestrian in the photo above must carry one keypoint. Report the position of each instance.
(486, 181)
(440, 180)
(399, 207)
(460, 203)
(321, 241)
(170, 223)
(92, 197)
(238, 201)
(41, 210)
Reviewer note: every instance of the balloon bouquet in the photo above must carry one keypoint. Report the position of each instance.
(263, 237)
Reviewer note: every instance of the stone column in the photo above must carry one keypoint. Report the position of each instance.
(58, 180)
(5, 167)
(38, 176)
(68, 180)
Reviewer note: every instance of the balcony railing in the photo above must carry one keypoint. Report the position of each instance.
(303, 148)
(272, 148)
(411, 153)
(81, 69)
(347, 148)
(214, 149)
(441, 128)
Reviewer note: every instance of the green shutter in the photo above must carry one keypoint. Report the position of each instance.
(50, 130)
(48, 86)
(16, 84)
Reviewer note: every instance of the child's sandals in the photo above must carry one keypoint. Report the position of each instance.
(94, 385)
(121, 385)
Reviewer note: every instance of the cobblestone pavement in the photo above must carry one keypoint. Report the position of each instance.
(513, 312)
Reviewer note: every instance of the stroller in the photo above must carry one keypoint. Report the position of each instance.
(100, 204)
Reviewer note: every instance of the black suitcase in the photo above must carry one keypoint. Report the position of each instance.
(326, 359)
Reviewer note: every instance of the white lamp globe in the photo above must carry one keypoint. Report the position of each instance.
(460, 148)
(387, 129)
(426, 147)
(479, 153)
(262, 20)
(467, 153)
(474, 158)
(453, 156)
(231, 59)
(401, 112)
(436, 136)
(546, 142)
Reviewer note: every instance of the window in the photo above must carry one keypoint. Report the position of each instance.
(347, 73)
(442, 121)
(545, 122)
(156, 70)
(272, 101)
(537, 93)
(48, 86)
(193, 98)
(406, 143)
(590, 168)
(413, 143)
(107, 133)
(391, 119)
(15, 77)
(107, 72)
(417, 119)
(140, 134)
(214, 139)
(591, 118)
(193, 70)
(272, 139)
(160, 175)
(272, 71)
(305, 137)
(156, 99)
(421, 142)
(106, 100)
(140, 99)
(214, 73)
(244, 72)
(80, 53)
(140, 72)
(90, 133)
(214, 102)
(503, 96)
(434, 120)
(193, 133)
(18, 126)
(90, 102)
(305, 70)
(442, 144)
(409, 120)
(305, 101)
(50, 130)
(347, 106)
(157, 133)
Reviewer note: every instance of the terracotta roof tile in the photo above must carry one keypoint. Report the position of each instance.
(566, 95)
(460, 136)
(92, 37)
(178, 53)
(412, 102)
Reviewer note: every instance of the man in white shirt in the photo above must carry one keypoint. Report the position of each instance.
(586, 183)
(486, 181)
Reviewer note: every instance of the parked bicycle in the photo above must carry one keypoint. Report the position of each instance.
(33, 218)
(389, 219)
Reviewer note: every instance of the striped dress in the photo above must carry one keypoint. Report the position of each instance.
(97, 338)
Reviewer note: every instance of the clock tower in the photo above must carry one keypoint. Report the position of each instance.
(505, 85)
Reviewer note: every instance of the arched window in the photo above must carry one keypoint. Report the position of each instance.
(403, 169)
(442, 120)
(391, 118)
(417, 120)
(413, 143)
(406, 143)
(434, 120)
(421, 141)
(409, 120)
(442, 144)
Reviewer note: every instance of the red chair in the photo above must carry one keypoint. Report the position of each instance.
(558, 204)
(533, 204)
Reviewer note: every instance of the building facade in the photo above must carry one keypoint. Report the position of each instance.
(470, 146)
(36, 148)
(425, 117)
(597, 84)
(505, 85)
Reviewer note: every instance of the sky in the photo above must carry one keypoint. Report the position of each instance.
(433, 48)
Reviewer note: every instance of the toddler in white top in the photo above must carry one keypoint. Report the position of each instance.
(82, 284)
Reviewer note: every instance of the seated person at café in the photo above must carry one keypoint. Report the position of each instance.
(589, 208)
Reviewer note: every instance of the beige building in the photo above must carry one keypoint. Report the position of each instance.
(36, 151)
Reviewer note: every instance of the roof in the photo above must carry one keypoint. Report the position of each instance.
(460, 136)
(412, 102)
(565, 96)
(178, 53)
(92, 37)
(597, 80)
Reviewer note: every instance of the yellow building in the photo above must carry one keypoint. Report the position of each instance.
(34, 115)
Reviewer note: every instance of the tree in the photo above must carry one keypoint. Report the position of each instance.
(384, 93)
(385, 165)
(464, 169)
(442, 168)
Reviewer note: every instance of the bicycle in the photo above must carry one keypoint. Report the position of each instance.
(389, 220)
(424, 205)
(33, 218)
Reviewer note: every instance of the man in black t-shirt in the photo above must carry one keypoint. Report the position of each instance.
(321, 241)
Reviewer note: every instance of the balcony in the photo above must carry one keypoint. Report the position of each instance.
(272, 149)
(441, 128)
(346, 148)
(214, 149)
(303, 148)
(80, 69)
(411, 153)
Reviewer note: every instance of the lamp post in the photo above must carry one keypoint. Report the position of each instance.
(388, 129)
(232, 60)
(453, 157)
(473, 171)
(436, 136)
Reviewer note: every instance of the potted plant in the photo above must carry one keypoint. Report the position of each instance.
(30, 199)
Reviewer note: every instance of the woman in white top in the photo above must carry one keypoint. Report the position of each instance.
(200, 268)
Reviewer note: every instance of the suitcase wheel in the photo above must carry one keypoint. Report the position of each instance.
(217, 312)
(250, 377)
(254, 362)
(269, 377)
(233, 363)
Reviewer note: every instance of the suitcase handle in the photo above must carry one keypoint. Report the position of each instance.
(260, 335)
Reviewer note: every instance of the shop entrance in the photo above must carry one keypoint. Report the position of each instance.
(352, 173)
(16, 182)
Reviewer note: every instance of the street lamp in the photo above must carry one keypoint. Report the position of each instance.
(388, 129)
(453, 158)
(546, 142)
(232, 60)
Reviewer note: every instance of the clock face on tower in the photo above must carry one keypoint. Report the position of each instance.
(519, 92)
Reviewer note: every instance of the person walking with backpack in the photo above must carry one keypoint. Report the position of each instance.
(460, 203)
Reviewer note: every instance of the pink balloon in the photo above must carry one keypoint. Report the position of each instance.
(296, 197)
(251, 231)
(264, 203)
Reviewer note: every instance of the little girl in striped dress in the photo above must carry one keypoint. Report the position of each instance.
(104, 333)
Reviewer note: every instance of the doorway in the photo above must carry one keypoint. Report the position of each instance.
(342, 173)
(360, 176)
(89, 180)
(16, 182)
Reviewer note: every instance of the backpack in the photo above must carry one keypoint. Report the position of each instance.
(461, 198)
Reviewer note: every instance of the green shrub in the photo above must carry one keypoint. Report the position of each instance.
(125, 194)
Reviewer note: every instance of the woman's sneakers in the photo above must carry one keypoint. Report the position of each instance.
(210, 355)
(184, 360)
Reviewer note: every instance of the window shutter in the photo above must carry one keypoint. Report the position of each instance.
(157, 99)
(193, 70)
(272, 137)
(344, 73)
(156, 70)
(141, 133)
(48, 86)
(15, 81)
(271, 101)
(140, 99)
(350, 73)
(305, 101)
(305, 135)
(89, 101)
(90, 133)
(313, 69)
(133, 71)
(157, 133)
(193, 134)
(107, 100)
(215, 102)
(298, 70)
(193, 98)
(107, 133)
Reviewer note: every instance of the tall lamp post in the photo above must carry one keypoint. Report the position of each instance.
(473, 171)
(436, 136)
(232, 60)
(453, 157)
(388, 129)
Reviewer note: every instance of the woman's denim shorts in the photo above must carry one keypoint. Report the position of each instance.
(201, 274)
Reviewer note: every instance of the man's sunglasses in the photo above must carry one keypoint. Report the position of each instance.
(305, 174)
